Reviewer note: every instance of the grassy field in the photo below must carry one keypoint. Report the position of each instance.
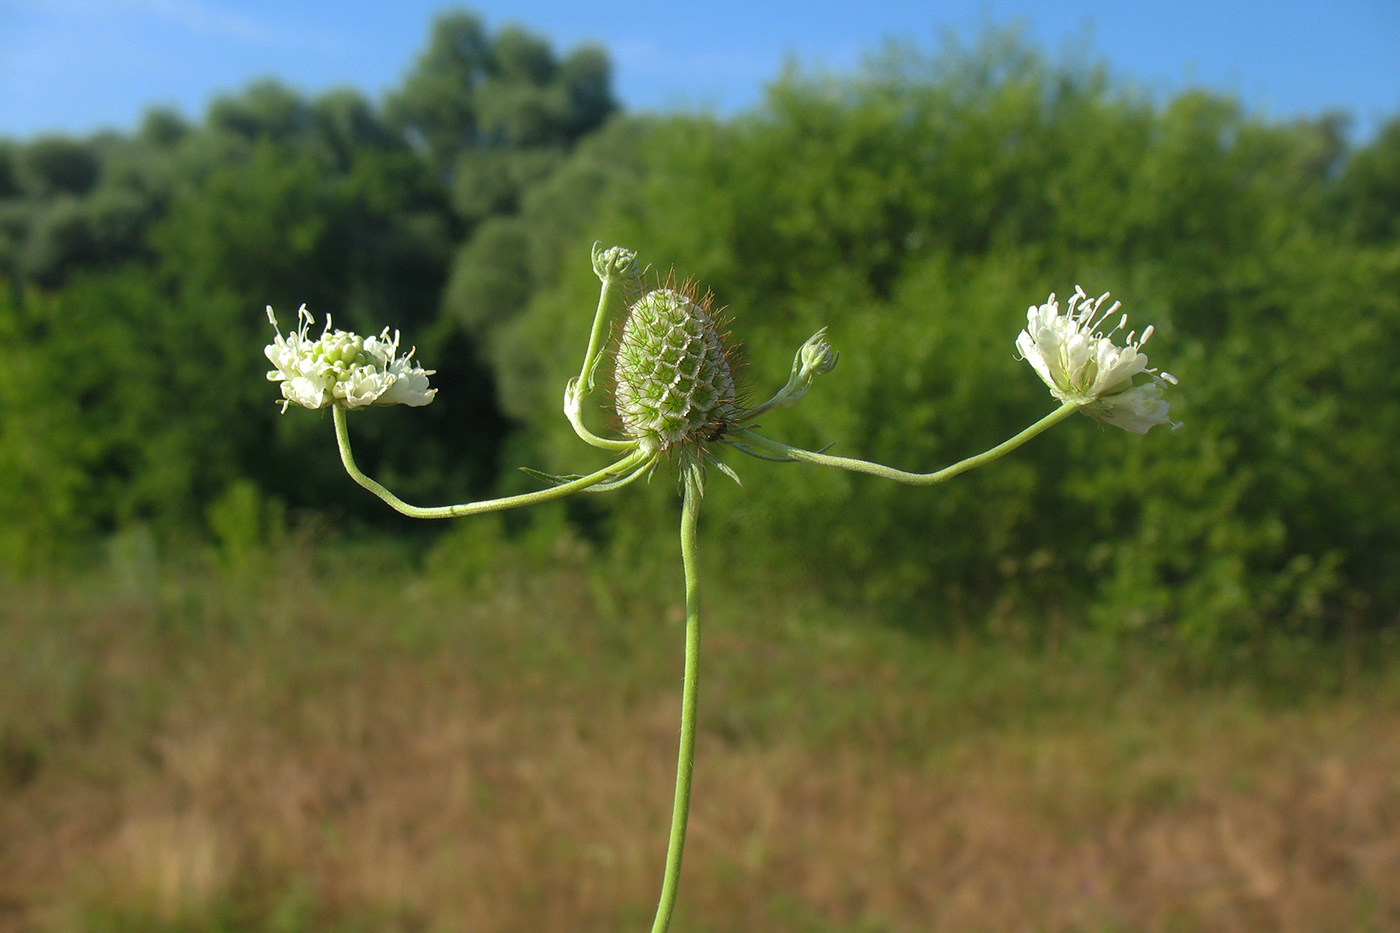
(319, 740)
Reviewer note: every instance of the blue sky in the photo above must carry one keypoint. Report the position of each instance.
(79, 65)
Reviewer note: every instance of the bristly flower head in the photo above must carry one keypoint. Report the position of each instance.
(345, 369)
(1082, 365)
(674, 381)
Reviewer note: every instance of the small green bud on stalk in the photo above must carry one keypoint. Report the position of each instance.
(817, 357)
(814, 358)
(615, 262)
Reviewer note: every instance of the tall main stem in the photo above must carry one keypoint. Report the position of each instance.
(685, 763)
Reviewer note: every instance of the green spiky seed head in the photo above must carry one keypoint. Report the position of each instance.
(674, 380)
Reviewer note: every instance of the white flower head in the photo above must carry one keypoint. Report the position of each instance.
(1082, 365)
(345, 369)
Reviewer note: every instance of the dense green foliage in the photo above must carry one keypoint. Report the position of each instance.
(916, 209)
(138, 266)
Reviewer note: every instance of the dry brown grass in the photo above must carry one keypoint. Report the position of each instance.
(328, 753)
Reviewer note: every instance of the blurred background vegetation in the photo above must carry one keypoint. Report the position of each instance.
(1110, 682)
(916, 208)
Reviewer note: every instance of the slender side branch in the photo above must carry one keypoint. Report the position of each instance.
(814, 358)
(342, 436)
(914, 479)
(595, 337)
(611, 266)
(685, 764)
(573, 410)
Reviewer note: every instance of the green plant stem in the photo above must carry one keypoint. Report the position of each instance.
(685, 763)
(915, 479)
(573, 410)
(342, 436)
(579, 389)
(595, 338)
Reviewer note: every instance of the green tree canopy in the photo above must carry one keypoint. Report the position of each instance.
(917, 210)
(137, 268)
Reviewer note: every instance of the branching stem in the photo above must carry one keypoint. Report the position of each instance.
(913, 479)
(595, 337)
(627, 464)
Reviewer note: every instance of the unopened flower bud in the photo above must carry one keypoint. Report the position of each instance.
(615, 262)
(816, 357)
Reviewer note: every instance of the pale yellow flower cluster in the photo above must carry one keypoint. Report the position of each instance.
(1082, 365)
(345, 369)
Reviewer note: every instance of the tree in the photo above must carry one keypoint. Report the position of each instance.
(470, 94)
(917, 210)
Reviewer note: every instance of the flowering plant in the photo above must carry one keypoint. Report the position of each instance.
(676, 398)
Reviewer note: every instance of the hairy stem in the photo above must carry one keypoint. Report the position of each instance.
(580, 388)
(685, 764)
(595, 337)
(342, 436)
